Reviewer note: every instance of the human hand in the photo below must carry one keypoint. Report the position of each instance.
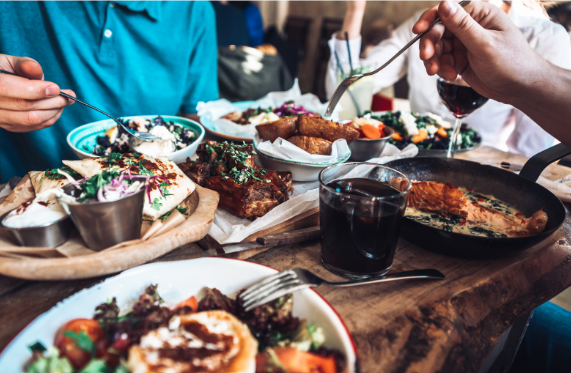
(481, 44)
(27, 102)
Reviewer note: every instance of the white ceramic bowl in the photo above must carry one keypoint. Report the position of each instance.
(83, 138)
(300, 171)
(177, 281)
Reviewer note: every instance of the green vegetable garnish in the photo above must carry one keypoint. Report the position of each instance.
(82, 340)
(114, 157)
(37, 347)
(143, 170)
(156, 204)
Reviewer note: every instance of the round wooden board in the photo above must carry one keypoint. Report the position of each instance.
(105, 262)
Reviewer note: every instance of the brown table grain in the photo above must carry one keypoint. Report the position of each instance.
(415, 326)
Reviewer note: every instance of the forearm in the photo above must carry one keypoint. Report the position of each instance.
(546, 100)
(351, 24)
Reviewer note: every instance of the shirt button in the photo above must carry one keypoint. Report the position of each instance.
(108, 33)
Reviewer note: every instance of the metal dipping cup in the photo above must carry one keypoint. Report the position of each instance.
(105, 224)
(364, 149)
(49, 235)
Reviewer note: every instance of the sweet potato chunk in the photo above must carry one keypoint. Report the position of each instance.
(284, 128)
(325, 129)
(312, 145)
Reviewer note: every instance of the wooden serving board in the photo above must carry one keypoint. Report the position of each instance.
(77, 261)
(308, 219)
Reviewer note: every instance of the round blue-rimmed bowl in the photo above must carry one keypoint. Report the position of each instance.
(300, 171)
(83, 139)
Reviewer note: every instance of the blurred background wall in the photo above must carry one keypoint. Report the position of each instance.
(299, 30)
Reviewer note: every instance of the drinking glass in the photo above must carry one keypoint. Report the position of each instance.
(361, 206)
(461, 100)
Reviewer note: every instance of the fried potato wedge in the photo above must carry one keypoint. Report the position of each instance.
(312, 145)
(325, 129)
(284, 128)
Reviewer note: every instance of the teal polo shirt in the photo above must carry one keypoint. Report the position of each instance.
(127, 58)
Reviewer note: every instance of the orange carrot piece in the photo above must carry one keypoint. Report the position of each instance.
(397, 136)
(422, 135)
(190, 302)
(442, 133)
(371, 132)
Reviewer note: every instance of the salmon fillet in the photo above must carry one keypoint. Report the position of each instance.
(447, 200)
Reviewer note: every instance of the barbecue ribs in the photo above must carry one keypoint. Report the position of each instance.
(245, 189)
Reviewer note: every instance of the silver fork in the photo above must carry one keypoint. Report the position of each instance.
(352, 79)
(296, 279)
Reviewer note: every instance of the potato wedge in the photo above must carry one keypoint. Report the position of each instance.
(325, 129)
(284, 128)
(312, 145)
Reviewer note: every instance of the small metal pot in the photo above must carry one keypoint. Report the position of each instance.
(364, 149)
(49, 235)
(105, 224)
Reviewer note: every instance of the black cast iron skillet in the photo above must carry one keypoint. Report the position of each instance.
(522, 192)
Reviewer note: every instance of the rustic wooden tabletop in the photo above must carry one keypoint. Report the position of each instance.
(414, 326)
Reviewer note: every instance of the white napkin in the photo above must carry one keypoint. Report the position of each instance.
(286, 150)
(561, 188)
(228, 228)
(211, 112)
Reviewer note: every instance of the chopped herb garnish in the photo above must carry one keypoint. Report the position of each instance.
(82, 340)
(130, 162)
(53, 174)
(114, 158)
(37, 347)
(143, 170)
(163, 185)
(156, 204)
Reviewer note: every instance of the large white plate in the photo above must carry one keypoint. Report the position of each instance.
(177, 281)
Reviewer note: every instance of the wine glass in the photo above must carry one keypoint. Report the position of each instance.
(461, 100)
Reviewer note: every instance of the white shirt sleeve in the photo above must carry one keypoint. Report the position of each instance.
(377, 56)
(552, 43)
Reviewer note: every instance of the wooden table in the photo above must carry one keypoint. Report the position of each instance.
(415, 326)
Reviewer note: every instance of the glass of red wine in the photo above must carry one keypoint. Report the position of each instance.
(361, 206)
(461, 100)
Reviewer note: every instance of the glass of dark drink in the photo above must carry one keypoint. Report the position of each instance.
(361, 206)
(461, 100)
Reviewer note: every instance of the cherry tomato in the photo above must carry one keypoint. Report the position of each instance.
(68, 347)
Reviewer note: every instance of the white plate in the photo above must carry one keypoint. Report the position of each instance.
(177, 281)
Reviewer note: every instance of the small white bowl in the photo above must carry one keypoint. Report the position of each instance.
(300, 171)
(82, 139)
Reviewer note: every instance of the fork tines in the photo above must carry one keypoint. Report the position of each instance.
(271, 288)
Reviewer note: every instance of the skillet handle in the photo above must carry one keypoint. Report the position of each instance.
(536, 164)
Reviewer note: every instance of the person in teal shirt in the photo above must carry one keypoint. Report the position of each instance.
(127, 58)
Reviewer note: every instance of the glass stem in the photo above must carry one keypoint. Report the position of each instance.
(454, 137)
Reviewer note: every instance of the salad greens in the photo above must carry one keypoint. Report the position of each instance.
(436, 134)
